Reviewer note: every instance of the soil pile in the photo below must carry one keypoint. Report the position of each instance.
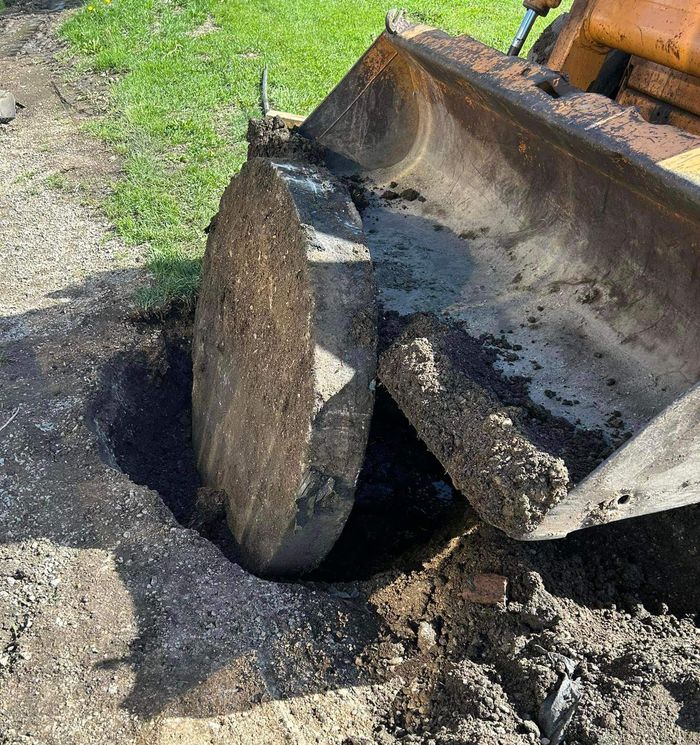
(615, 604)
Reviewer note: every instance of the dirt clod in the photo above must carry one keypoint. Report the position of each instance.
(410, 195)
(271, 138)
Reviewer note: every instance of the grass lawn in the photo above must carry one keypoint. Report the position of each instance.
(188, 78)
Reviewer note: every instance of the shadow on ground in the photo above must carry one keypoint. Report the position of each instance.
(211, 639)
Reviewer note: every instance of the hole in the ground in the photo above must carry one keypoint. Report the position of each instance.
(144, 422)
(405, 503)
(404, 499)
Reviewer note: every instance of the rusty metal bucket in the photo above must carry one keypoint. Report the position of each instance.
(552, 223)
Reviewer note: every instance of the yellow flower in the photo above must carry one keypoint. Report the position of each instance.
(90, 8)
(107, 2)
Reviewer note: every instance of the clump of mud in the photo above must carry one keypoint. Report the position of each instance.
(271, 138)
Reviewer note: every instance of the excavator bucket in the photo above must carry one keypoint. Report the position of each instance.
(533, 254)
(539, 247)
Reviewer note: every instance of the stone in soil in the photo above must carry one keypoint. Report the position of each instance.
(8, 107)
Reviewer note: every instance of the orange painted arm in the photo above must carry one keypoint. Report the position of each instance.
(542, 7)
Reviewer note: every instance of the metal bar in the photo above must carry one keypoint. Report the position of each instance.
(522, 33)
(263, 92)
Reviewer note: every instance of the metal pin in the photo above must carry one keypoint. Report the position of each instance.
(523, 32)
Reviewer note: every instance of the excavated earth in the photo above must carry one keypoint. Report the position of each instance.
(123, 614)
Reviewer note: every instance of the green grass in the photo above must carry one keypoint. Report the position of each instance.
(181, 100)
(57, 181)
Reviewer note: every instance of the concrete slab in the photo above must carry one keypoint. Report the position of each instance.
(284, 359)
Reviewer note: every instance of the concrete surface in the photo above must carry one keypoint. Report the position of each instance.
(284, 356)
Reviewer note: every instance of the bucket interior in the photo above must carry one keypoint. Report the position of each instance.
(517, 218)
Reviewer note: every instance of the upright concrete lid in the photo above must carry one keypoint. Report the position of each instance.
(284, 360)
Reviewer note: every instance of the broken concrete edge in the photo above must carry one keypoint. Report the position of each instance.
(511, 481)
(8, 107)
(287, 503)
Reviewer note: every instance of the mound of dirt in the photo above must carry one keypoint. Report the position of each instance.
(603, 604)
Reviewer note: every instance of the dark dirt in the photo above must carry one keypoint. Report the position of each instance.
(404, 502)
(406, 505)
(270, 138)
(143, 420)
